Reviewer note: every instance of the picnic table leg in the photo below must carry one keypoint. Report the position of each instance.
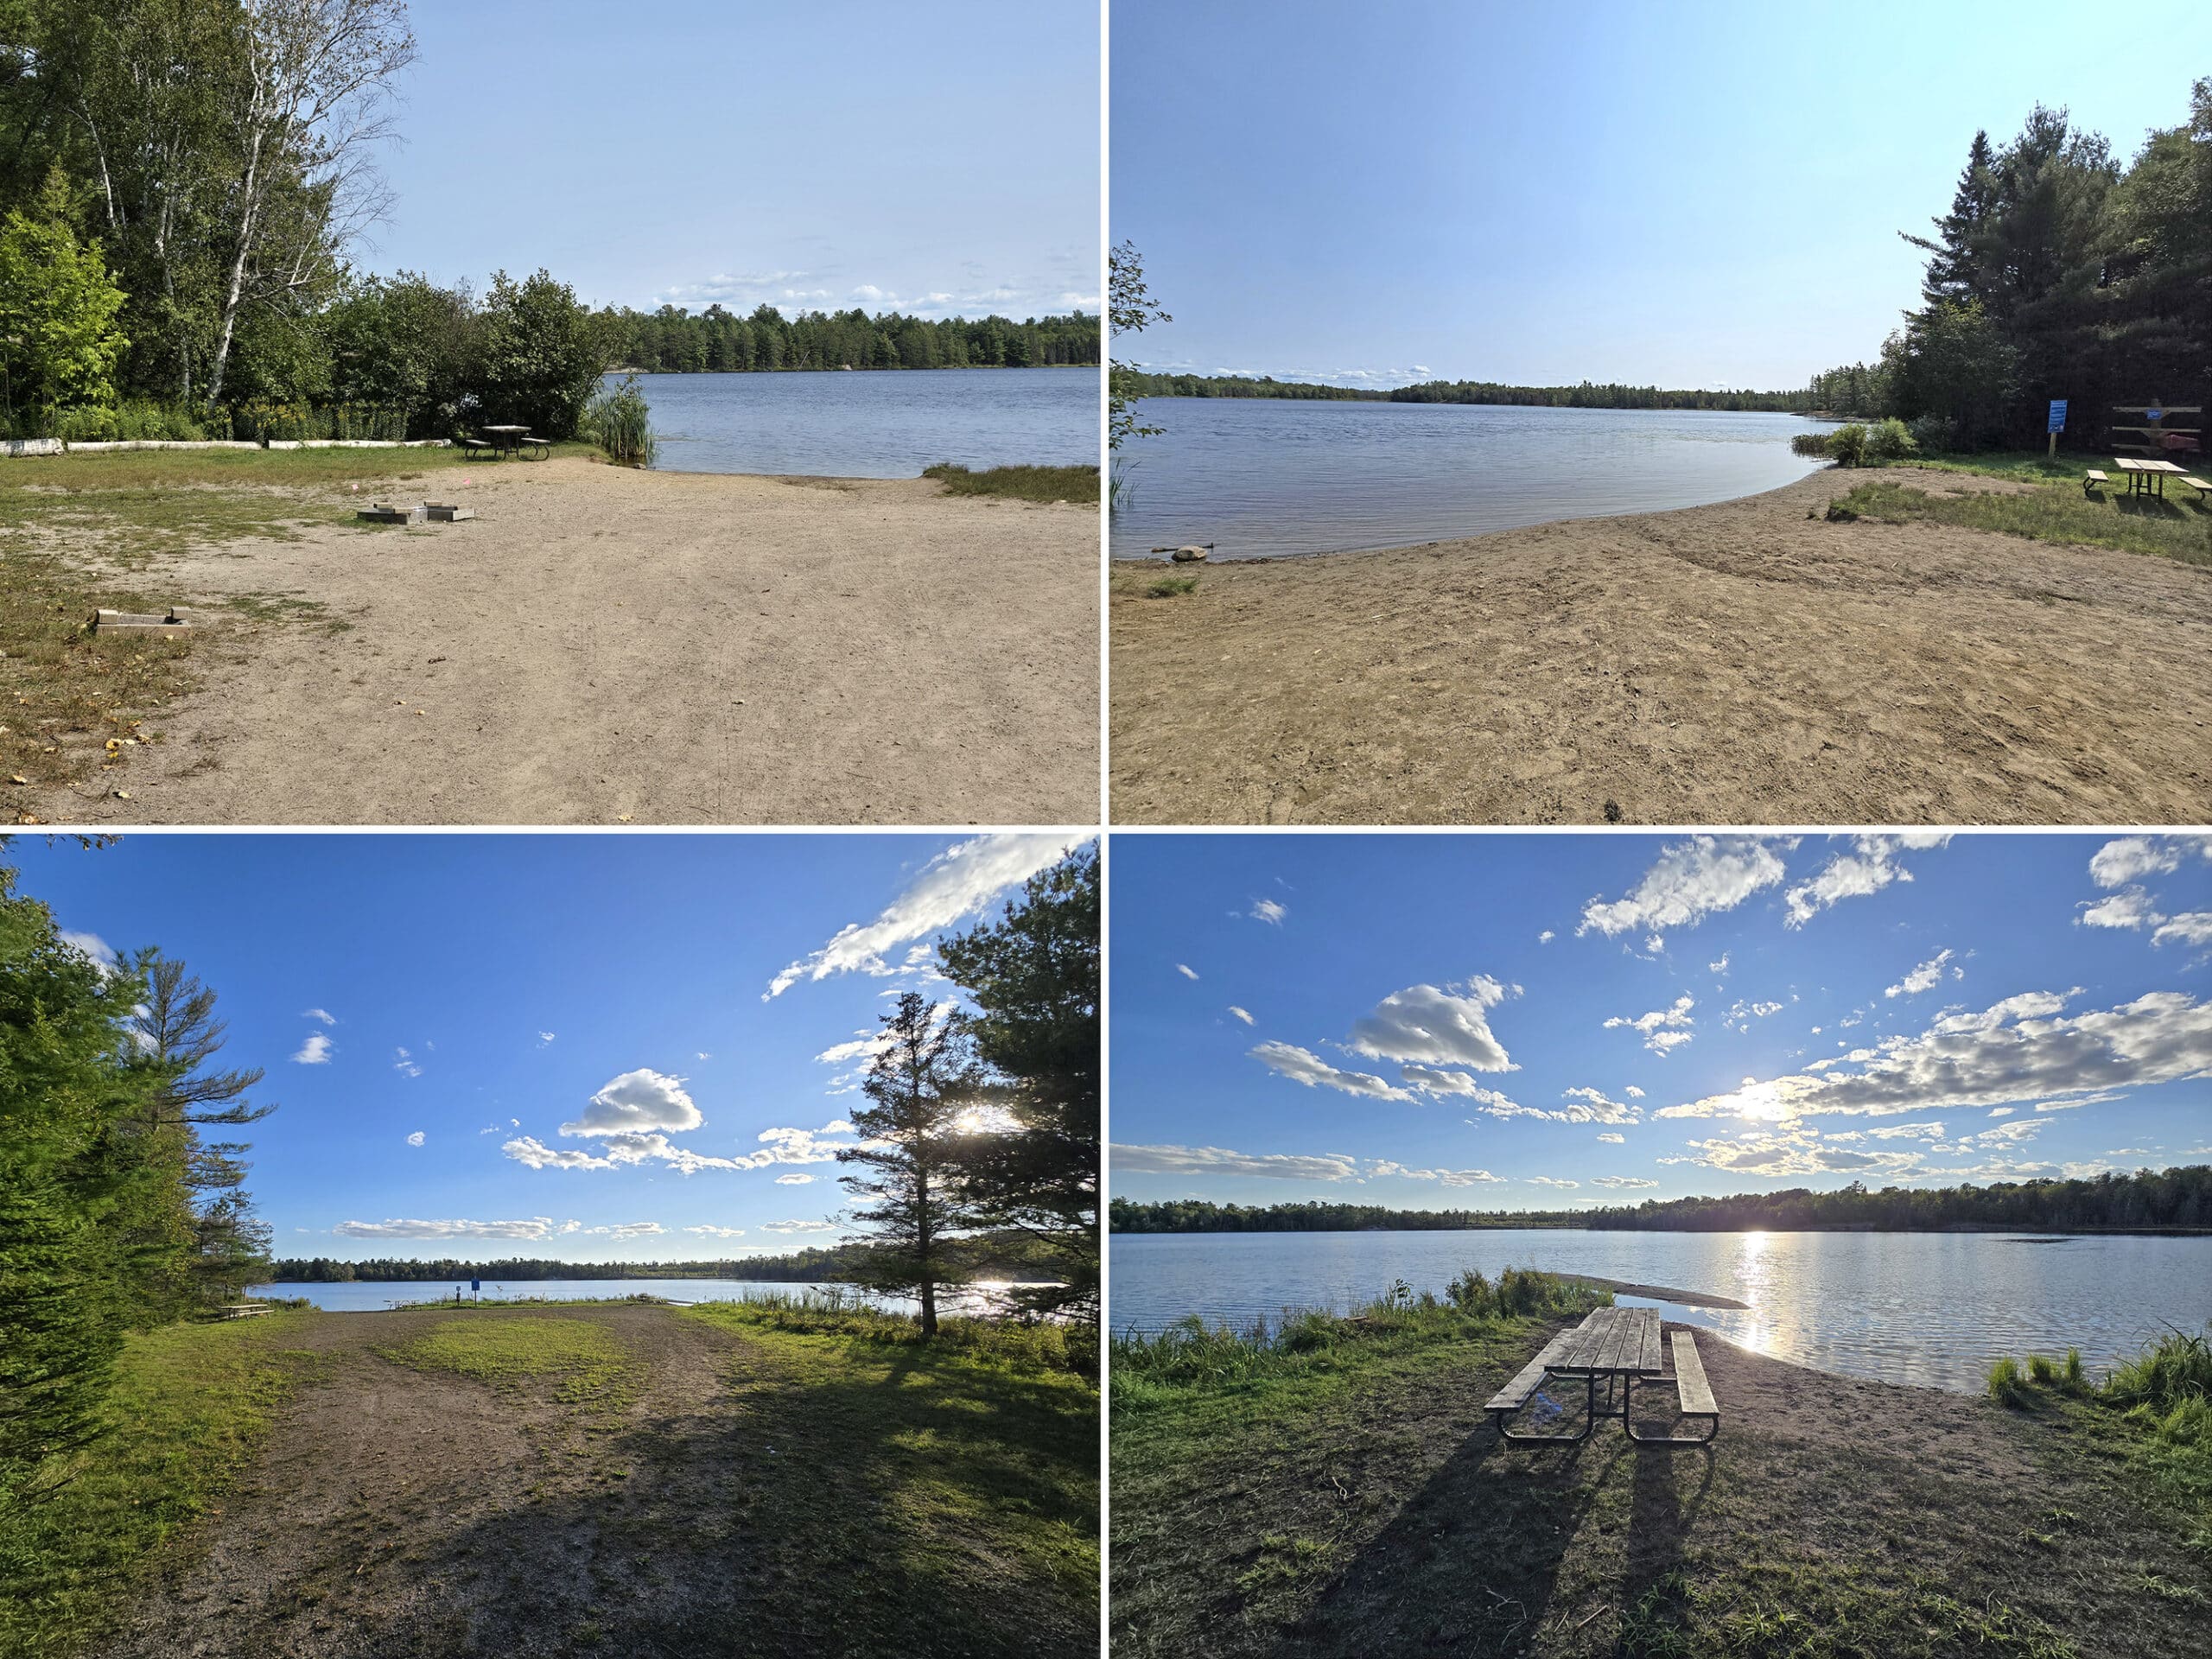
(1589, 1422)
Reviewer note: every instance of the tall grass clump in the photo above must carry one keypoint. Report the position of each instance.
(1191, 1354)
(1814, 446)
(616, 420)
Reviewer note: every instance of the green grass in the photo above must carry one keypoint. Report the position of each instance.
(192, 1403)
(1040, 1347)
(1076, 484)
(1172, 588)
(887, 1463)
(2058, 512)
(1329, 1487)
(585, 1362)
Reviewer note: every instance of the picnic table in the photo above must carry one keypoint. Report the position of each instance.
(2142, 475)
(513, 439)
(1623, 1347)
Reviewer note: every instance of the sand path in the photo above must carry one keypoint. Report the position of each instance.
(679, 648)
(1745, 663)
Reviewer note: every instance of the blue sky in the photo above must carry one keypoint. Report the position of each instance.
(1538, 1021)
(1695, 195)
(804, 156)
(487, 1045)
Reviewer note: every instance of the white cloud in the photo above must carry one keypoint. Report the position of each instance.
(1219, 1160)
(404, 1063)
(640, 1100)
(545, 1037)
(788, 1227)
(1633, 1092)
(2192, 927)
(2015, 1050)
(1267, 910)
(536, 1227)
(955, 883)
(1795, 1152)
(1719, 967)
(1592, 1107)
(1870, 866)
(1741, 1013)
(315, 1051)
(1926, 977)
(1623, 1181)
(1691, 879)
(711, 1231)
(416, 1139)
(2131, 858)
(1240, 1013)
(323, 1015)
(1384, 1168)
(1548, 1181)
(1302, 1066)
(1436, 1025)
(1545, 937)
(1186, 970)
(793, 1180)
(1616, 1139)
(1661, 1028)
(2129, 907)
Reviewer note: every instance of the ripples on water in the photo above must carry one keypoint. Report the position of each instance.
(1259, 476)
(872, 423)
(1929, 1308)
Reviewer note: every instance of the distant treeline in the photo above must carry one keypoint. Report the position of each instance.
(2177, 1199)
(672, 340)
(1588, 395)
(1008, 1256)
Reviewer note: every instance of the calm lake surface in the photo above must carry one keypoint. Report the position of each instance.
(374, 1296)
(1264, 476)
(872, 423)
(1929, 1308)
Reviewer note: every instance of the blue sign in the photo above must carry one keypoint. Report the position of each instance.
(2057, 414)
(476, 1284)
(2154, 414)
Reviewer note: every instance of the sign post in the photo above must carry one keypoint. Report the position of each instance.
(2058, 421)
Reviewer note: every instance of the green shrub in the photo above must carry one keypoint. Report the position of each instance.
(1934, 435)
(1847, 445)
(295, 422)
(1890, 441)
(1814, 446)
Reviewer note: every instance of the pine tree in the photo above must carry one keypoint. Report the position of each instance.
(1033, 978)
(1954, 272)
(921, 1081)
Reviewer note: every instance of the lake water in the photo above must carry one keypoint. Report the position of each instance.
(872, 423)
(1258, 477)
(373, 1296)
(1929, 1308)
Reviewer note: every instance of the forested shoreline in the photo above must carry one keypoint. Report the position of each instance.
(1587, 394)
(673, 340)
(2057, 273)
(2174, 1200)
(1003, 1256)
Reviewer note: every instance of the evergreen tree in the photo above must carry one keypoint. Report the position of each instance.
(1033, 978)
(1954, 273)
(921, 1081)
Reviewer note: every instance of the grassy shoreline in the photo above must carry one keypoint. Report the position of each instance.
(1352, 1499)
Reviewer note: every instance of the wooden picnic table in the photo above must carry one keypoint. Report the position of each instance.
(2143, 475)
(513, 438)
(1621, 1346)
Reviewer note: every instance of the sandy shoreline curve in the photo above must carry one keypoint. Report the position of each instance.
(605, 645)
(1745, 662)
(1655, 1292)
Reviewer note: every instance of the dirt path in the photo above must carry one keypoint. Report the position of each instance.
(1745, 663)
(401, 1511)
(1395, 1520)
(603, 645)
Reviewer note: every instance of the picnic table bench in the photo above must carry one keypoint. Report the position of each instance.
(242, 1310)
(1621, 1346)
(2143, 475)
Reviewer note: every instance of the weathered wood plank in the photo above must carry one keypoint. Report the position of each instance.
(1689, 1379)
(1525, 1381)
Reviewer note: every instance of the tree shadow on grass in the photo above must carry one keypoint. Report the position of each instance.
(861, 1501)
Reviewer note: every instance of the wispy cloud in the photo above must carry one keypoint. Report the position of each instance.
(1871, 865)
(955, 883)
(1661, 1028)
(536, 1227)
(1690, 880)
(1301, 1065)
(315, 1051)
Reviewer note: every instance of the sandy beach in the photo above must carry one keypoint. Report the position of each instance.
(1747, 663)
(604, 645)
